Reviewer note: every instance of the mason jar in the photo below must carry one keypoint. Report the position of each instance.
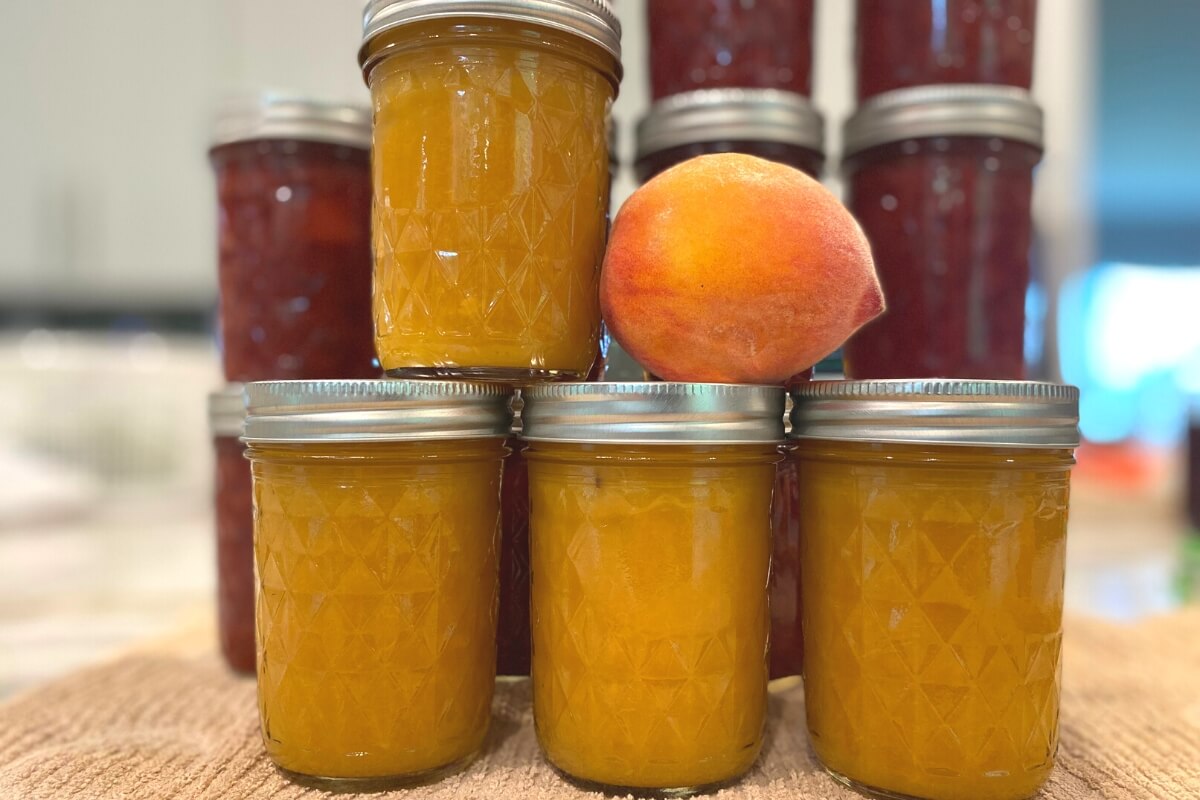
(294, 233)
(768, 123)
(902, 43)
(513, 638)
(650, 535)
(941, 180)
(705, 44)
(934, 522)
(233, 511)
(491, 173)
(376, 523)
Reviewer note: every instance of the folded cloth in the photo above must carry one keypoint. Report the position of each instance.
(169, 726)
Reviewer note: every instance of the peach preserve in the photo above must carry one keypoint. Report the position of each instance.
(294, 202)
(934, 521)
(376, 520)
(941, 180)
(650, 534)
(491, 174)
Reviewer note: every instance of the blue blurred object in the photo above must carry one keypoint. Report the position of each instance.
(1129, 337)
(1145, 163)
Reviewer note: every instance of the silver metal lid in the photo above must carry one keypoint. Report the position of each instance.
(938, 411)
(591, 20)
(227, 411)
(653, 413)
(722, 115)
(963, 109)
(374, 411)
(272, 116)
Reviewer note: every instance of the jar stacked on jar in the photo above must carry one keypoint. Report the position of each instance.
(294, 271)
(398, 519)
(393, 515)
(938, 161)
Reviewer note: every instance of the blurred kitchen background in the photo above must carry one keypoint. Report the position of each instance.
(108, 289)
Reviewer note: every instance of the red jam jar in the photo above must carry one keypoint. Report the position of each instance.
(512, 624)
(294, 230)
(768, 123)
(234, 513)
(787, 642)
(941, 179)
(701, 44)
(902, 43)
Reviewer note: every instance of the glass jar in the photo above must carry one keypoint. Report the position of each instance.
(376, 524)
(491, 172)
(934, 533)
(513, 638)
(941, 180)
(787, 639)
(512, 628)
(294, 200)
(702, 44)
(234, 515)
(650, 533)
(902, 43)
(770, 124)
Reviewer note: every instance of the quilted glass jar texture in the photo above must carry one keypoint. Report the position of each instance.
(377, 604)
(491, 175)
(376, 531)
(933, 525)
(650, 611)
(933, 592)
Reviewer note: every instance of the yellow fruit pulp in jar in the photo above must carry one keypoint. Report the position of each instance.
(491, 192)
(649, 607)
(933, 590)
(377, 582)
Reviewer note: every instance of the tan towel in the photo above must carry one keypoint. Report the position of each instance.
(181, 727)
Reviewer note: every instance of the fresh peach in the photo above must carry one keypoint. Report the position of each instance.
(730, 268)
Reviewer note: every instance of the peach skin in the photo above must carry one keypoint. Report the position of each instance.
(729, 268)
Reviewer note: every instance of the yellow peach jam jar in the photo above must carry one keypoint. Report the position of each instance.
(376, 513)
(933, 534)
(491, 175)
(650, 544)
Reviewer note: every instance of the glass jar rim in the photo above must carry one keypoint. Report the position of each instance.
(653, 413)
(1026, 414)
(731, 114)
(324, 411)
(961, 109)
